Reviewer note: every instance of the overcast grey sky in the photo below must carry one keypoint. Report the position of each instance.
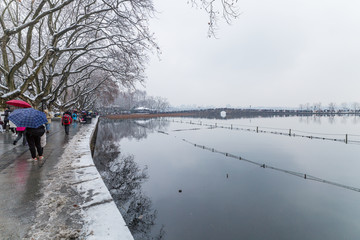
(277, 53)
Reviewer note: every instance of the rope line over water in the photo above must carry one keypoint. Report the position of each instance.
(263, 165)
(281, 131)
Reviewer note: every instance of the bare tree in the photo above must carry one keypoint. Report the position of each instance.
(160, 104)
(332, 107)
(301, 107)
(355, 106)
(216, 9)
(48, 48)
(317, 106)
(130, 99)
(344, 106)
(58, 52)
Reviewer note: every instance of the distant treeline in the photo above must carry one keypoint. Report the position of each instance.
(253, 113)
(229, 113)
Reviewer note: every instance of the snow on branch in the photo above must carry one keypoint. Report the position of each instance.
(9, 94)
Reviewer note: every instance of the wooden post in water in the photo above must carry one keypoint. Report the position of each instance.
(257, 129)
(289, 132)
(346, 138)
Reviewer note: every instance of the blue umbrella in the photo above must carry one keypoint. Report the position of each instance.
(28, 117)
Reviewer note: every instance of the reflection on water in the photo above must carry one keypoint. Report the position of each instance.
(332, 119)
(168, 185)
(123, 177)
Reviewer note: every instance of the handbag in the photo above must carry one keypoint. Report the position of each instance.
(43, 140)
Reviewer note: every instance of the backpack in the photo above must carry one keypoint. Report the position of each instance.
(66, 119)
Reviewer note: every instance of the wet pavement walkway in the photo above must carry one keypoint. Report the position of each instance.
(21, 179)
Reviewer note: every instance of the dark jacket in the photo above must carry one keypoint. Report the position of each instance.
(36, 131)
(6, 114)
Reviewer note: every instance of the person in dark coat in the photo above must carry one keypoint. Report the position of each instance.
(33, 137)
(6, 117)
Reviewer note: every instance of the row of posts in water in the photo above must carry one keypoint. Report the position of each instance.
(289, 133)
(263, 165)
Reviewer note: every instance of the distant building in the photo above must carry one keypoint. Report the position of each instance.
(143, 110)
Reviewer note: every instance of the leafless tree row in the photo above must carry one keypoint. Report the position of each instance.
(331, 107)
(62, 51)
(73, 52)
(132, 99)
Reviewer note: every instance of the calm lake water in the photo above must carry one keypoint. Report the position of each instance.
(182, 178)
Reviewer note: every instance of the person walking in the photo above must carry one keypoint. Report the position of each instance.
(12, 127)
(66, 121)
(33, 137)
(1, 125)
(74, 116)
(6, 115)
(48, 117)
(20, 134)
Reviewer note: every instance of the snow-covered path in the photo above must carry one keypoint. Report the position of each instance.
(76, 203)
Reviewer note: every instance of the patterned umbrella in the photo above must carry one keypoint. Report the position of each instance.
(18, 103)
(28, 117)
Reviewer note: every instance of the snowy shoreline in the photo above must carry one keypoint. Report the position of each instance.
(75, 202)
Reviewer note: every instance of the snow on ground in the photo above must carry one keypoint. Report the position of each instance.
(76, 203)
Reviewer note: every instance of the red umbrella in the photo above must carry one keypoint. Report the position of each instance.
(18, 103)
